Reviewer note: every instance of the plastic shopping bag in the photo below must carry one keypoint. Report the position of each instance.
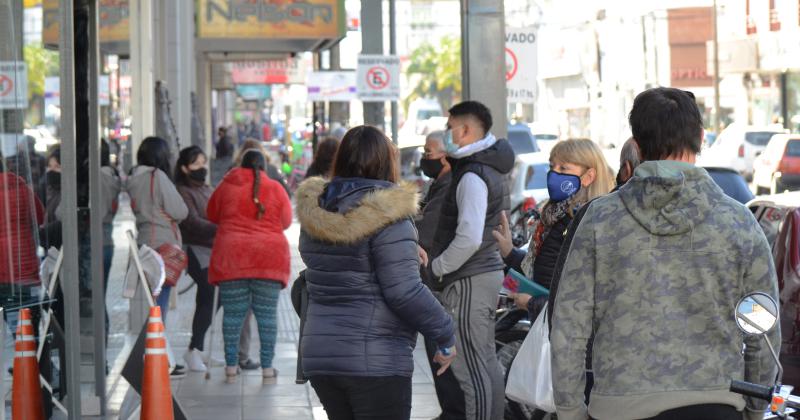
(530, 380)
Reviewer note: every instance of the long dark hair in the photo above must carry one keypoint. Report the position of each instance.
(186, 157)
(253, 159)
(323, 156)
(154, 151)
(366, 152)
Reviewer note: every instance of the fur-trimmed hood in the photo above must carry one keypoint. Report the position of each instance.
(348, 210)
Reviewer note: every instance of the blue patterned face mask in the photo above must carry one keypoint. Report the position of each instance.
(562, 186)
(449, 146)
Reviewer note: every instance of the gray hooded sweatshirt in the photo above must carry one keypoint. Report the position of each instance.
(655, 271)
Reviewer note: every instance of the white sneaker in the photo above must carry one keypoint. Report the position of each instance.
(194, 361)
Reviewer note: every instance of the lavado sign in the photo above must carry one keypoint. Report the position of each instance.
(521, 64)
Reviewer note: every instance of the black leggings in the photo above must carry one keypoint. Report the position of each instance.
(204, 301)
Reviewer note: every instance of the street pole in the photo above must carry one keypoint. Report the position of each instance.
(69, 204)
(95, 218)
(393, 51)
(372, 43)
(483, 55)
(716, 119)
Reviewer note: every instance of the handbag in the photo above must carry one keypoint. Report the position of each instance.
(175, 259)
(530, 380)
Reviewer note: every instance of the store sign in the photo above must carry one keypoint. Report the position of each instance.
(331, 86)
(378, 78)
(114, 21)
(289, 71)
(253, 92)
(521, 65)
(298, 19)
(13, 85)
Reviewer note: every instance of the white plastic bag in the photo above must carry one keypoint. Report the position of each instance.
(530, 380)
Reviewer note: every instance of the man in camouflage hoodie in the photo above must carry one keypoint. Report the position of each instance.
(655, 271)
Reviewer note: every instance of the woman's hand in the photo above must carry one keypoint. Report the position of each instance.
(444, 361)
(502, 234)
(423, 256)
(521, 300)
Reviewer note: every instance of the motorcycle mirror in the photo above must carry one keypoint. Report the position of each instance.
(757, 314)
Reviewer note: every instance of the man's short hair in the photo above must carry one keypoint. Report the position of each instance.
(666, 122)
(473, 109)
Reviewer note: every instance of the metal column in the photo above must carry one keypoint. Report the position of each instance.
(372, 43)
(95, 217)
(69, 205)
(393, 51)
(483, 55)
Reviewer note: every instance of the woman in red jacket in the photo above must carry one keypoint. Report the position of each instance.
(250, 258)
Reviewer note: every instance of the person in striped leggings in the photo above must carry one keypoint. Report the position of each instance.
(250, 259)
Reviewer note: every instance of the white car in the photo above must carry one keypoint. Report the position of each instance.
(528, 190)
(778, 168)
(738, 146)
(546, 135)
(44, 139)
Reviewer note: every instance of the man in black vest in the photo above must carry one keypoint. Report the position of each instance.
(466, 265)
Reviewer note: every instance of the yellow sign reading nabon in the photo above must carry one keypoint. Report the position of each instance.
(305, 19)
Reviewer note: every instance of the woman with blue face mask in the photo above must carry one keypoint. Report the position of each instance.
(578, 174)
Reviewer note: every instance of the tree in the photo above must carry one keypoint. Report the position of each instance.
(41, 63)
(435, 71)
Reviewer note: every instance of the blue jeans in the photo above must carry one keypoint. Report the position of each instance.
(163, 301)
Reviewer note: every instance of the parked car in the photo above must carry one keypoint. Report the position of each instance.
(778, 168)
(732, 183)
(546, 135)
(521, 139)
(738, 146)
(779, 218)
(410, 170)
(528, 190)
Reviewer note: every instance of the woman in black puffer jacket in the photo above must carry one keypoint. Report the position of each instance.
(366, 301)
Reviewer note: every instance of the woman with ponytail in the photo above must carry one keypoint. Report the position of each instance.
(250, 259)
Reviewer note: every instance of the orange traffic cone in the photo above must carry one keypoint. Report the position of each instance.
(156, 393)
(26, 394)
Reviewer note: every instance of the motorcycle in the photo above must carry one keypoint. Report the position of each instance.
(757, 314)
(510, 328)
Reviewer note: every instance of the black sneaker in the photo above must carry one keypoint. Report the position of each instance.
(249, 365)
(179, 371)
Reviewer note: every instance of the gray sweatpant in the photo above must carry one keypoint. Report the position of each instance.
(472, 302)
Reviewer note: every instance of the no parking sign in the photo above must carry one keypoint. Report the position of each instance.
(378, 78)
(13, 85)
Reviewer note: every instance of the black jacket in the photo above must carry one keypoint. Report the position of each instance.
(492, 165)
(365, 298)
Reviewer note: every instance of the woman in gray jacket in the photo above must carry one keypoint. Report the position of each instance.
(156, 203)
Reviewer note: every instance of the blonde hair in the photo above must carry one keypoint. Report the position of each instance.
(585, 152)
(250, 144)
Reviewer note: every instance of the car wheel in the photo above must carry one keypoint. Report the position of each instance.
(775, 187)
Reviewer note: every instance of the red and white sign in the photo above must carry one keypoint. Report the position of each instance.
(521, 64)
(268, 72)
(13, 85)
(378, 78)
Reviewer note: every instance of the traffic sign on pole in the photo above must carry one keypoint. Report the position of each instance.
(521, 64)
(13, 85)
(378, 78)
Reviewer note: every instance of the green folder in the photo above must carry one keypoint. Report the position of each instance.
(528, 286)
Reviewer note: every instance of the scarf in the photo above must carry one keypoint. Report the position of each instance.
(551, 214)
